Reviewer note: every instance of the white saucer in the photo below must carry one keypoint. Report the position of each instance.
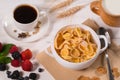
(14, 32)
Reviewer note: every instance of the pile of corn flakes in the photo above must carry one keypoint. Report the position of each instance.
(75, 44)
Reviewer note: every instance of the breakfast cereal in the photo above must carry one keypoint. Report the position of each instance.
(84, 78)
(95, 78)
(101, 70)
(75, 44)
(115, 72)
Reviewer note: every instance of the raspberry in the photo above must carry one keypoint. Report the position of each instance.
(14, 48)
(27, 65)
(27, 54)
(0, 46)
(15, 63)
(33, 76)
(16, 55)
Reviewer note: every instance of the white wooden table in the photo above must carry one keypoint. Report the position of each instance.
(6, 7)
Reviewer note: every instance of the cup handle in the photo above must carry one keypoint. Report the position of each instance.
(106, 43)
(42, 14)
(48, 52)
(95, 7)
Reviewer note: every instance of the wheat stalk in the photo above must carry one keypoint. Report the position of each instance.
(60, 5)
(69, 12)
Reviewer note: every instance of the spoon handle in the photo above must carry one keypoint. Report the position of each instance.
(111, 77)
(103, 31)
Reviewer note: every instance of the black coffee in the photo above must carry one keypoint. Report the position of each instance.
(25, 14)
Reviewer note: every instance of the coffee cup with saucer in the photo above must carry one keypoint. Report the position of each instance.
(26, 23)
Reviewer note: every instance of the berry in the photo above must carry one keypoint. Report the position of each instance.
(26, 78)
(8, 74)
(3, 67)
(27, 54)
(16, 55)
(15, 74)
(14, 48)
(33, 76)
(15, 63)
(21, 78)
(40, 70)
(27, 65)
(0, 46)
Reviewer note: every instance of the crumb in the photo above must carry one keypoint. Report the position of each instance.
(115, 72)
(27, 33)
(37, 28)
(36, 31)
(83, 78)
(115, 69)
(15, 30)
(39, 22)
(101, 70)
(95, 78)
(23, 35)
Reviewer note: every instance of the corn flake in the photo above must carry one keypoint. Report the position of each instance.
(75, 44)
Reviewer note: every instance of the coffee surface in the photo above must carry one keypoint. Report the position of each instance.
(112, 6)
(25, 14)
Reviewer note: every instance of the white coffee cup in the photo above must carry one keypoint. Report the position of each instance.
(80, 65)
(26, 16)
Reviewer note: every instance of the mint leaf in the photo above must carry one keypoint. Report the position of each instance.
(6, 49)
(5, 60)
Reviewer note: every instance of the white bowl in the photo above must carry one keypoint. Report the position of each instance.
(80, 65)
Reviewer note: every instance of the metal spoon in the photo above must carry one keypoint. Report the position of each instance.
(103, 31)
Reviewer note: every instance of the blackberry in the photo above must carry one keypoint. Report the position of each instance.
(21, 78)
(3, 67)
(8, 74)
(40, 70)
(15, 74)
(33, 76)
(26, 78)
(16, 55)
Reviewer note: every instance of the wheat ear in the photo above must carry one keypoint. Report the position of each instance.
(60, 5)
(69, 12)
